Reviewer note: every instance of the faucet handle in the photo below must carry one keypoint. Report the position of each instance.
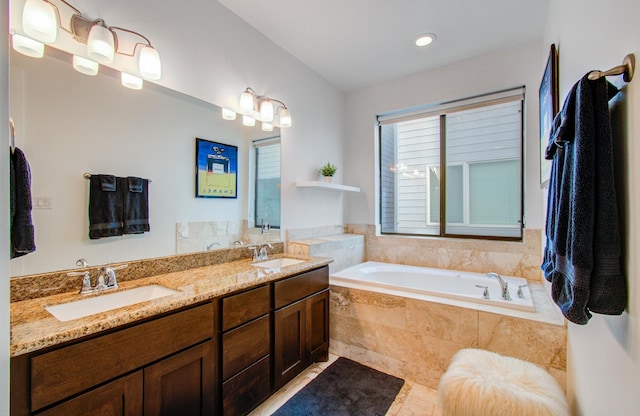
(255, 251)
(485, 292)
(520, 292)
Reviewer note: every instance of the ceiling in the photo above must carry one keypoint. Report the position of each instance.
(357, 43)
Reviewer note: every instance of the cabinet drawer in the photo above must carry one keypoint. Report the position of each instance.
(245, 390)
(63, 372)
(298, 287)
(244, 345)
(245, 306)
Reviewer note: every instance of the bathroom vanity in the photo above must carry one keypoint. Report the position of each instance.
(230, 337)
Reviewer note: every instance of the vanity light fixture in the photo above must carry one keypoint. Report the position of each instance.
(131, 81)
(261, 107)
(228, 114)
(425, 39)
(101, 43)
(248, 121)
(42, 19)
(85, 66)
(27, 46)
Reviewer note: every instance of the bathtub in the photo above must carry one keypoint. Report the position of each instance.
(421, 282)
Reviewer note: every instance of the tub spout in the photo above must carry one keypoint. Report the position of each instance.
(504, 286)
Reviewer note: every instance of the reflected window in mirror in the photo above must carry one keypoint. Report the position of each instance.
(266, 193)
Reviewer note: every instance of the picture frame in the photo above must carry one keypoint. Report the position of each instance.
(548, 102)
(216, 169)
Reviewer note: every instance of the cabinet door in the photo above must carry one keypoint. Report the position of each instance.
(289, 354)
(183, 384)
(122, 397)
(317, 331)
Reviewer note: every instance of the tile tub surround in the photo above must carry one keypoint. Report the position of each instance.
(345, 249)
(46, 284)
(416, 339)
(33, 328)
(510, 258)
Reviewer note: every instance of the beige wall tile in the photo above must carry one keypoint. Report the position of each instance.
(445, 322)
(540, 343)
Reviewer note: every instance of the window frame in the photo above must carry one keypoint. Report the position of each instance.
(255, 145)
(441, 110)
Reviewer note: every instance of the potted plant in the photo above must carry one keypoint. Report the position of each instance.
(327, 171)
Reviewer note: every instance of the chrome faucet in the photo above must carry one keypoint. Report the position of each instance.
(504, 285)
(106, 278)
(263, 250)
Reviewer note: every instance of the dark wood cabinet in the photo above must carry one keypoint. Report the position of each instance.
(104, 375)
(182, 384)
(122, 397)
(245, 350)
(301, 324)
(289, 348)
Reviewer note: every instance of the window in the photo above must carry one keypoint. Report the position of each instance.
(267, 182)
(479, 140)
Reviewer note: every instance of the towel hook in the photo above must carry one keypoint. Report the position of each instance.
(626, 69)
(12, 128)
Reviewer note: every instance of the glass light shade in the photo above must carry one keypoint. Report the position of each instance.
(85, 66)
(40, 21)
(228, 114)
(267, 126)
(248, 121)
(131, 81)
(149, 63)
(27, 46)
(100, 44)
(425, 39)
(246, 101)
(285, 118)
(266, 110)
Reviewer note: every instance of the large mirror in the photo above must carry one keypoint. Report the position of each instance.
(69, 124)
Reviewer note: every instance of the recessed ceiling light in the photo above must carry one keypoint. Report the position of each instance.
(425, 39)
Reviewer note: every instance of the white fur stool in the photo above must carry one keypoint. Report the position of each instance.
(483, 383)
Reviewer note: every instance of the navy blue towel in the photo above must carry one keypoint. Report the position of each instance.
(22, 231)
(136, 205)
(582, 252)
(105, 206)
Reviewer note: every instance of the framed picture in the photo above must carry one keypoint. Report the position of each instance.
(216, 170)
(548, 95)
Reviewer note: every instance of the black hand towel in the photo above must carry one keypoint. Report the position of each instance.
(105, 206)
(582, 253)
(136, 205)
(22, 231)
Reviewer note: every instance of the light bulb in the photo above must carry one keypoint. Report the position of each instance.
(246, 101)
(267, 126)
(285, 118)
(149, 63)
(85, 66)
(228, 114)
(248, 121)
(131, 81)
(100, 44)
(27, 46)
(266, 110)
(40, 21)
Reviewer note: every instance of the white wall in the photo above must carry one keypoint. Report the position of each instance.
(490, 73)
(604, 355)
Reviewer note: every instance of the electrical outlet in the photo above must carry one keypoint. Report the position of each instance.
(42, 202)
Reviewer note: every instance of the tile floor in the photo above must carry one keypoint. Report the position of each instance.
(413, 399)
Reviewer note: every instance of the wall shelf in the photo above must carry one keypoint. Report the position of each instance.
(327, 186)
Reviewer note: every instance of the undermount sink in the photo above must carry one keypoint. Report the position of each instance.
(79, 309)
(277, 263)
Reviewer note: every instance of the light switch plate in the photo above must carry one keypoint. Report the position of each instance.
(42, 202)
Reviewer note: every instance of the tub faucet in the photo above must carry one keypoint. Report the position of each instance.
(504, 286)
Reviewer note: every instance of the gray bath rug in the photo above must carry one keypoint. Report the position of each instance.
(345, 388)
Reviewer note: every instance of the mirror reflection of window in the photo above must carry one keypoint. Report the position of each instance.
(267, 183)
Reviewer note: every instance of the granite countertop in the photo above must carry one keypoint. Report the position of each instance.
(33, 328)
